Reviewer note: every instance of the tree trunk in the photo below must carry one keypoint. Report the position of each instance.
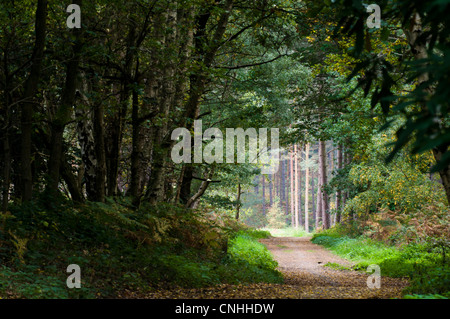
(71, 180)
(283, 186)
(306, 189)
(256, 181)
(193, 201)
(63, 114)
(292, 189)
(99, 148)
(206, 52)
(300, 206)
(137, 172)
(319, 202)
(7, 164)
(313, 208)
(323, 182)
(445, 172)
(296, 191)
(270, 190)
(339, 191)
(263, 195)
(238, 201)
(31, 87)
(6, 142)
(86, 140)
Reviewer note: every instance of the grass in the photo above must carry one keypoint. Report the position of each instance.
(336, 266)
(254, 260)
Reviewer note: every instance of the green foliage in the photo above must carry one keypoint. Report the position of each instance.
(251, 210)
(251, 260)
(245, 248)
(255, 233)
(430, 280)
(428, 102)
(275, 216)
(401, 185)
(30, 283)
(336, 266)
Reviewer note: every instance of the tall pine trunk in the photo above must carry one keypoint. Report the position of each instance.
(300, 206)
(306, 189)
(263, 195)
(323, 182)
(339, 191)
(292, 189)
(296, 191)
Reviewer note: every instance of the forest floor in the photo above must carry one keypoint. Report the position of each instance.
(302, 264)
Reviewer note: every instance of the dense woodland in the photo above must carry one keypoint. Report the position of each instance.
(86, 122)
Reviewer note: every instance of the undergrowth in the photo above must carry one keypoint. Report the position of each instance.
(119, 248)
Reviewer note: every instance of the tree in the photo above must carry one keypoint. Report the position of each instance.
(296, 187)
(323, 182)
(307, 189)
(275, 216)
(423, 25)
(30, 90)
(292, 183)
(64, 113)
(338, 191)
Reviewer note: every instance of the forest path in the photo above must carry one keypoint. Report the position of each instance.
(303, 266)
(306, 277)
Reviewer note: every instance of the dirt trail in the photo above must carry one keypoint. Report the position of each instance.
(306, 277)
(303, 266)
